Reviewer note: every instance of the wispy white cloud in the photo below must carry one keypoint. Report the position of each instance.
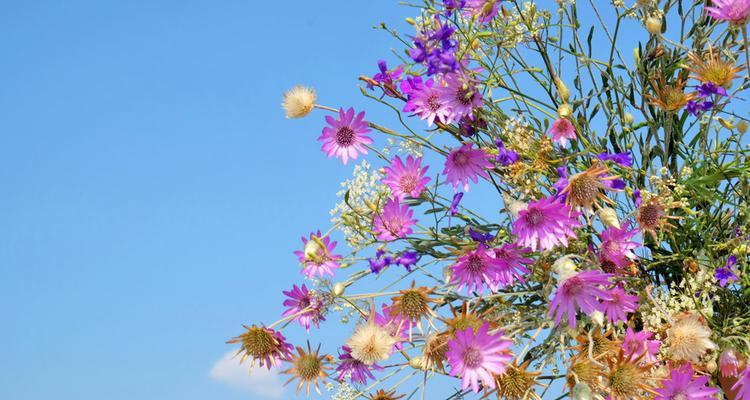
(256, 380)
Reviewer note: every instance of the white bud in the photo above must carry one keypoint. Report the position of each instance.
(417, 363)
(653, 25)
(598, 317)
(311, 248)
(629, 118)
(564, 267)
(608, 217)
(582, 391)
(338, 289)
(447, 274)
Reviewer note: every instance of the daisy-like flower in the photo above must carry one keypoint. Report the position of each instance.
(545, 223)
(465, 164)
(371, 343)
(562, 130)
(357, 371)
(670, 97)
(305, 304)
(515, 264)
(733, 11)
(711, 68)
(682, 386)
(619, 304)
(689, 338)
(461, 96)
(394, 221)
(617, 245)
(476, 355)
(317, 256)
(309, 367)
(742, 386)
(267, 346)
(638, 345)
(412, 305)
(476, 269)
(729, 364)
(346, 137)
(406, 179)
(580, 291)
(298, 101)
(585, 188)
(425, 101)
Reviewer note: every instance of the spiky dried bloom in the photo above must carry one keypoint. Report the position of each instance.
(265, 345)
(599, 344)
(670, 97)
(628, 379)
(371, 343)
(585, 188)
(383, 395)
(434, 351)
(652, 216)
(689, 338)
(712, 68)
(298, 101)
(412, 305)
(517, 383)
(466, 317)
(309, 367)
(584, 369)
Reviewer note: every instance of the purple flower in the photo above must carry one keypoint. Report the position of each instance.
(483, 10)
(726, 273)
(387, 78)
(476, 356)
(461, 96)
(465, 164)
(637, 197)
(697, 107)
(580, 291)
(742, 386)
(436, 49)
(707, 89)
(380, 261)
(476, 269)
(455, 202)
(303, 302)
(480, 237)
(423, 99)
(394, 221)
(617, 245)
(514, 264)
(357, 371)
(346, 137)
(546, 223)
(619, 304)
(317, 256)
(451, 5)
(406, 179)
(625, 159)
(561, 183)
(504, 156)
(407, 259)
(681, 385)
(395, 324)
(639, 345)
(734, 11)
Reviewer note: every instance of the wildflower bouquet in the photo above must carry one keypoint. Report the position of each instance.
(551, 216)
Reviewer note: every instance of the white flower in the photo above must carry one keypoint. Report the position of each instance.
(689, 338)
(371, 343)
(298, 101)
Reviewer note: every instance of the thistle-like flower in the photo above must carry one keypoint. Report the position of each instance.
(670, 97)
(628, 379)
(652, 216)
(517, 382)
(585, 188)
(712, 68)
(265, 345)
(412, 305)
(298, 101)
(689, 338)
(371, 343)
(383, 395)
(309, 367)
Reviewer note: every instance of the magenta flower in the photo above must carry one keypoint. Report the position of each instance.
(617, 245)
(514, 264)
(396, 325)
(476, 356)
(461, 96)
(301, 301)
(394, 221)
(406, 180)
(733, 11)
(580, 291)
(357, 371)
(465, 164)
(562, 130)
(483, 10)
(345, 137)
(423, 99)
(742, 386)
(477, 268)
(317, 256)
(639, 344)
(545, 223)
(619, 304)
(682, 386)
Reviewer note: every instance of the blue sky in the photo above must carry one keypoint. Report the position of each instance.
(147, 180)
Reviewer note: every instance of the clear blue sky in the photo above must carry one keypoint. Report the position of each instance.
(152, 192)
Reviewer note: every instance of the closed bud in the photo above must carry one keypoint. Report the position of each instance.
(725, 123)
(608, 217)
(628, 118)
(312, 247)
(417, 363)
(562, 90)
(564, 267)
(448, 274)
(581, 391)
(741, 127)
(564, 111)
(372, 206)
(637, 55)
(598, 317)
(338, 289)
(653, 25)
(411, 21)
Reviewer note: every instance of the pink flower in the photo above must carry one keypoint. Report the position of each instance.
(483, 10)
(545, 223)
(617, 245)
(461, 96)
(581, 291)
(466, 163)
(619, 303)
(317, 257)
(729, 364)
(638, 344)
(475, 356)
(302, 302)
(394, 221)
(345, 137)
(682, 386)
(424, 100)
(514, 264)
(477, 268)
(742, 386)
(396, 325)
(406, 180)
(561, 131)
(733, 11)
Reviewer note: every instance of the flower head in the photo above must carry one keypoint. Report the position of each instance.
(308, 367)
(482, 10)
(461, 96)
(383, 395)
(726, 274)
(475, 355)
(562, 130)
(317, 257)
(670, 97)
(476, 269)
(729, 364)
(305, 305)
(412, 304)
(504, 156)
(545, 223)
(735, 12)
(516, 382)
(618, 304)
(515, 264)
(371, 343)
(742, 386)
(580, 291)
(406, 179)
(298, 101)
(689, 338)
(682, 386)
(265, 345)
(585, 188)
(346, 136)
(436, 49)
(357, 371)
(638, 345)
(386, 78)
(465, 164)
(711, 68)
(625, 159)
(425, 101)
(617, 245)
(394, 221)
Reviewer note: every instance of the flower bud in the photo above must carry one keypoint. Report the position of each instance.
(729, 364)
(564, 111)
(637, 55)
(564, 267)
(581, 391)
(417, 363)
(338, 289)
(562, 90)
(598, 317)
(741, 127)
(628, 118)
(448, 274)
(411, 21)
(653, 25)
(312, 247)
(608, 217)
